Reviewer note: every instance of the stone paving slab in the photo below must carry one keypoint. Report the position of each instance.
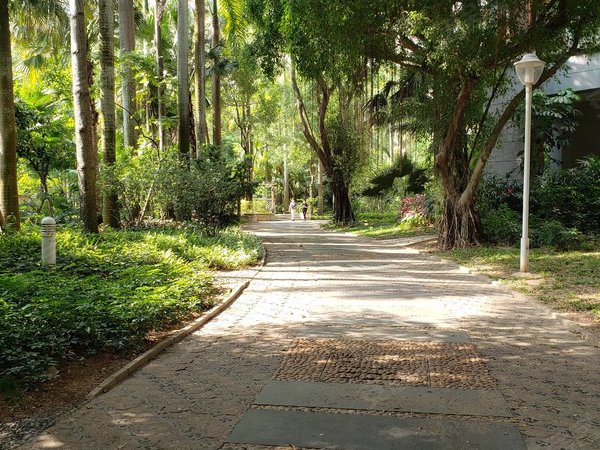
(384, 332)
(468, 402)
(363, 432)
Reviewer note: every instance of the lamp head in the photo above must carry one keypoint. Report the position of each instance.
(529, 69)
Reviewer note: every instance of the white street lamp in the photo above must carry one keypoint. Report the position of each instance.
(529, 70)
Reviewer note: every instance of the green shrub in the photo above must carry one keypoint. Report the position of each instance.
(501, 225)
(205, 190)
(105, 292)
(571, 196)
(552, 233)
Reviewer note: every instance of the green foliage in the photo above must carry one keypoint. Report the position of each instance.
(207, 189)
(571, 196)
(552, 233)
(44, 135)
(384, 226)
(383, 181)
(563, 206)
(346, 147)
(555, 119)
(106, 291)
(501, 225)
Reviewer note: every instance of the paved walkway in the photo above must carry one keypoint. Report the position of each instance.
(345, 342)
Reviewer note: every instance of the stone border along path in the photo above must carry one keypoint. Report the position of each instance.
(346, 342)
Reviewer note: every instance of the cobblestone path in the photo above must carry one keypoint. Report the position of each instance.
(345, 342)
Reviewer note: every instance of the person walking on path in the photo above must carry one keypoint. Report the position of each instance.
(304, 209)
(293, 209)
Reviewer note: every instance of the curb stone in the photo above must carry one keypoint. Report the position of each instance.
(156, 350)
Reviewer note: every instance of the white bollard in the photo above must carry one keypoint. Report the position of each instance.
(48, 240)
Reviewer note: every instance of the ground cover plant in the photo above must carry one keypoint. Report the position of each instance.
(383, 226)
(106, 292)
(565, 280)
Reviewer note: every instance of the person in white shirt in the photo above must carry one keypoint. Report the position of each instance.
(293, 208)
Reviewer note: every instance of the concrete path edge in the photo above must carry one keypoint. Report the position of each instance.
(156, 350)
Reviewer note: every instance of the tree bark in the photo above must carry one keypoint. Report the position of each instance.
(183, 91)
(87, 158)
(320, 188)
(9, 196)
(158, 11)
(459, 225)
(110, 209)
(127, 45)
(200, 76)
(286, 185)
(216, 78)
(342, 207)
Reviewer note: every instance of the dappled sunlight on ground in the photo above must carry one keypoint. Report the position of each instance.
(338, 308)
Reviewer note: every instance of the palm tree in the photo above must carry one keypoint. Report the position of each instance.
(9, 197)
(216, 78)
(159, 6)
(183, 92)
(127, 45)
(87, 159)
(110, 210)
(201, 128)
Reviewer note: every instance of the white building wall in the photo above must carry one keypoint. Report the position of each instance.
(581, 73)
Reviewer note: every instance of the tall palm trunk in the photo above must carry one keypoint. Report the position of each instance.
(110, 210)
(87, 158)
(201, 129)
(216, 78)
(127, 45)
(183, 91)
(158, 10)
(9, 197)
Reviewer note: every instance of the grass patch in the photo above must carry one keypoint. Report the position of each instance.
(568, 281)
(106, 291)
(382, 226)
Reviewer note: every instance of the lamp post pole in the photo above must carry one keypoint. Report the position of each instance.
(524, 259)
(528, 69)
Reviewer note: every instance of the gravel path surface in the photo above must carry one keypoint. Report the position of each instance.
(193, 395)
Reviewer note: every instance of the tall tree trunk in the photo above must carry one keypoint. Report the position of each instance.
(110, 209)
(9, 196)
(342, 207)
(183, 91)
(320, 188)
(459, 225)
(200, 76)
(87, 158)
(127, 45)
(158, 11)
(286, 184)
(216, 79)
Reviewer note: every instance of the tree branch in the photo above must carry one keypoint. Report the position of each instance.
(306, 129)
